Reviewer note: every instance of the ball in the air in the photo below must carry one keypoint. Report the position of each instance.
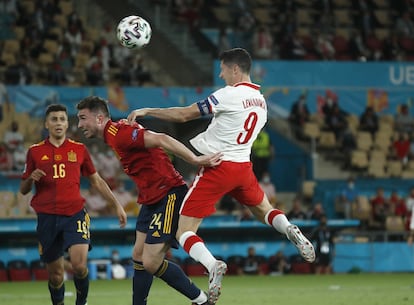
(134, 32)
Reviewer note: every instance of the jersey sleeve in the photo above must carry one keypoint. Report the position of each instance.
(212, 103)
(87, 167)
(130, 138)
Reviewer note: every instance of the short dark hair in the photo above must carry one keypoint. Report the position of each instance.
(94, 104)
(54, 108)
(237, 56)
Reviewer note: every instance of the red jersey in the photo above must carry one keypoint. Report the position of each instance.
(59, 191)
(150, 168)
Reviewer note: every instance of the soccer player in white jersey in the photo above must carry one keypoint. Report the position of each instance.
(239, 112)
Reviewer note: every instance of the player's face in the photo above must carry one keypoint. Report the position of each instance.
(89, 122)
(227, 73)
(57, 124)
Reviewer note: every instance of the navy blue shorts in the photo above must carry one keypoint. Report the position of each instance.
(160, 220)
(57, 233)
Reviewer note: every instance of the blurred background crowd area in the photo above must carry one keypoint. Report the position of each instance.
(377, 208)
(71, 42)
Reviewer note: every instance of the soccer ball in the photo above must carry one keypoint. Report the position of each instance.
(134, 32)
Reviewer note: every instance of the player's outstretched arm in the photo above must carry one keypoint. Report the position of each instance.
(172, 114)
(102, 187)
(154, 139)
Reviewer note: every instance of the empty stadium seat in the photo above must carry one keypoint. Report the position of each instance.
(128, 264)
(3, 272)
(377, 170)
(19, 270)
(394, 224)
(193, 268)
(359, 159)
(383, 17)
(263, 264)
(364, 140)
(308, 189)
(382, 140)
(394, 168)
(264, 15)
(343, 18)
(327, 140)
(234, 263)
(299, 266)
(407, 174)
(7, 200)
(311, 130)
(12, 46)
(353, 122)
(362, 209)
(39, 270)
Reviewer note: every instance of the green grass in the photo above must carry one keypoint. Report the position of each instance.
(340, 289)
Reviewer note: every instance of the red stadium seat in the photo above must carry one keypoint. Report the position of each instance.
(39, 270)
(263, 265)
(19, 270)
(193, 268)
(3, 273)
(299, 266)
(340, 44)
(407, 44)
(234, 263)
(373, 43)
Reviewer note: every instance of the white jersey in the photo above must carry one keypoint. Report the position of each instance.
(240, 112)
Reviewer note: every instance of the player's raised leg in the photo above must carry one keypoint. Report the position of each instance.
(278, 220)
(303, 245)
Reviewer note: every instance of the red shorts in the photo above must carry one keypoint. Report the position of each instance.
(212, 183)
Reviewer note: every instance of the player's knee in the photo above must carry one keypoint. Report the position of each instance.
(56, 278)
(150, 265)
(79, 268)
(137, 255)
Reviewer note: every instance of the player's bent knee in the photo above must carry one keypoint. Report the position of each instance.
(56, 279)
(151, 266)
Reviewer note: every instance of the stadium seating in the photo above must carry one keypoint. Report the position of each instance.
(39, 270)
(362, 208)
(3, 272)
(394, 224)
(299, 266)
(234, 263)
(327, 140)
(359, 159)
(128, 264)
(394, 168)
(193, 268)
(19, 270)
(7, 200)
(311, 130)
(308, 189)
(263, 264)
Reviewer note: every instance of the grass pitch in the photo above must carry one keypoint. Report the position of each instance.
(339, 289)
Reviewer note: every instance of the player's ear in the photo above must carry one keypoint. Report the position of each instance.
(99, 118)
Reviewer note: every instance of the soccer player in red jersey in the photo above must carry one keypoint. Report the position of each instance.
(161, 190)
(55, 166)
(239, 113)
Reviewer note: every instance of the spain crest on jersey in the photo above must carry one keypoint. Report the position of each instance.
(72, 156)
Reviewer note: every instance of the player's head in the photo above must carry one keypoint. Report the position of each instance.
(56, 120)
(93, 114)
(94, 104)
(235, 65)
